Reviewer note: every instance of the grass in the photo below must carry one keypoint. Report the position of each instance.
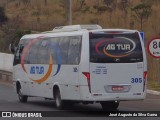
(153, 85)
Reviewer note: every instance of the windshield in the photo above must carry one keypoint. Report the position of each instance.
(115, 47)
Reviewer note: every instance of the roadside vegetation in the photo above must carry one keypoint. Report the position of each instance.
(19, 17)
(153, 85)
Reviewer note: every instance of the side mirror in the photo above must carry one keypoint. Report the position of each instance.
(12, 48)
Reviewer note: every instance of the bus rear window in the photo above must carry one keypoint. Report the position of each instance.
(115, 48)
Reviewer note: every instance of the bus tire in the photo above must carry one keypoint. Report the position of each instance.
(110, 105)
(60, 104)
(22, 98)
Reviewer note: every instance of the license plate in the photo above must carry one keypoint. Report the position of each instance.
(117, 88)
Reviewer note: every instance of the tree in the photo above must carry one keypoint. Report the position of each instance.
(142, 12)
(79, 5)
(45, 2)
(111, 6)
(3, 17)
(65, 5)
(123, 6)
(10, 31)
(102, 6)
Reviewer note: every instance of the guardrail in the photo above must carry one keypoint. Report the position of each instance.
(6, 66)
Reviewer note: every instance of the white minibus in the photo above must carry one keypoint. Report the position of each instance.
(81, 64)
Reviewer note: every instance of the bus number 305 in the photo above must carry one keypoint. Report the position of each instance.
(136, 80)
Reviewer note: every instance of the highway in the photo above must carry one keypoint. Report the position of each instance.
(9, 102)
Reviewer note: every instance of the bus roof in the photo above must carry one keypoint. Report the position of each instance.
(73, 29)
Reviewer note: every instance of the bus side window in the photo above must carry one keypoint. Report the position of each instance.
(42, 52)
(53, 48)
(31, 57)
(64, 46)
(74, 51)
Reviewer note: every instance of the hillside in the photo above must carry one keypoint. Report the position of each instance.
(38, 15)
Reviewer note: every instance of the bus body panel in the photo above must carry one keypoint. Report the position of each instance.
(104, 77)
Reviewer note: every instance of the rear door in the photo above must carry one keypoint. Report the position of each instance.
(116, 62)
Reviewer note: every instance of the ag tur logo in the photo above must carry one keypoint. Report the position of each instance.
(37, 70)
(116, 48)
(121, 47)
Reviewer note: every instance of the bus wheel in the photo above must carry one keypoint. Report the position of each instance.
(59, 102)
(110, 105)
(22, 98)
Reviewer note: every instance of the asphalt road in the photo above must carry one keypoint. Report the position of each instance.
(9, 102)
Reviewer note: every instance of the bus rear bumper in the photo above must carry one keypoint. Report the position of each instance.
(126, 96)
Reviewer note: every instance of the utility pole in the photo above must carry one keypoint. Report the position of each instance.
(70, 13)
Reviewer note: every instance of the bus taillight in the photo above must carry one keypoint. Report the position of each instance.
(87, 75)
(145, 75)
(144, 78)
